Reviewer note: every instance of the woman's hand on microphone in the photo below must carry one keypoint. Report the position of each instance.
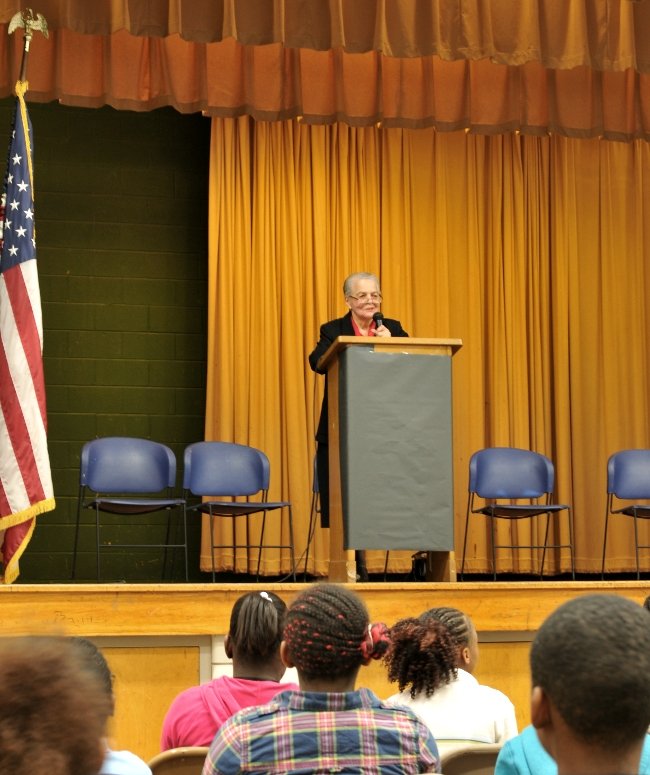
(382, 331)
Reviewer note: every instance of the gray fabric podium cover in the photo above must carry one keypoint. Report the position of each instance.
(396, 450)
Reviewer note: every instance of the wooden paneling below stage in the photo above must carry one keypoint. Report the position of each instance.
(161, 638)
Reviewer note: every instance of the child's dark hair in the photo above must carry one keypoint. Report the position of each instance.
(458, 623)
(328, 633)
(95, 660)
(53, 708)
(591, 657)
(256, 625)
(422, 655)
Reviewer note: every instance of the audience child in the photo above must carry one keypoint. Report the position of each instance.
(590, 665)
(525, 755)
(253, 644)
(432, 659)
(115, 762)
(53, 709)
(327, 726)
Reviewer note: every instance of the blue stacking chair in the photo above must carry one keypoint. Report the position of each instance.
(219, 470)
(512, 474)
(124, 475)
(628, 479)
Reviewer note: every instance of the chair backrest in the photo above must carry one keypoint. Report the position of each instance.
(223, 468)
(509, 472)
(179, 761)
(472, 759)
(123, 464)
(628, 474)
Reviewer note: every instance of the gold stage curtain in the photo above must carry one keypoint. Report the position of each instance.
(490, 65)
(532, 250)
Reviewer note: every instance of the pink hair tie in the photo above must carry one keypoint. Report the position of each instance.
(376, 641)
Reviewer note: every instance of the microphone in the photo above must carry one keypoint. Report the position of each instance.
(378, 317)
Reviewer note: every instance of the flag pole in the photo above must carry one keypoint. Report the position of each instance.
(30, 22)
(26, 489)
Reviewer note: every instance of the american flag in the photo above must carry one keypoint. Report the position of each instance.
(25, 476)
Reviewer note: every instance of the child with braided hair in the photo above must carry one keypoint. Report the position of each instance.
(432, 659)
(253, 644)
(327, 726)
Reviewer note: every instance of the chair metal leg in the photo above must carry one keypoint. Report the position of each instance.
(541, 567)
(97, 532)
(602, 568)
(173, 516)
(571, 545)
(494, 555)
(187, 572)
(73, 573)
(259, 554)
(211, 518)
(233, 534)
(386, 564)
(462, 562)
(165, 553)
(636, 546)
(172, 523)
(293, 551)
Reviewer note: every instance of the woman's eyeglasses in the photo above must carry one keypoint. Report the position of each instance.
(365, 296)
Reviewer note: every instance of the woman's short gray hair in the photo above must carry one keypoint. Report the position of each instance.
(352, 279)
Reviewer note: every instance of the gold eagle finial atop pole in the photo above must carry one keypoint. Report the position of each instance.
(30, 22)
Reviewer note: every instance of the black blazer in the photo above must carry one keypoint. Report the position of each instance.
(328, 333)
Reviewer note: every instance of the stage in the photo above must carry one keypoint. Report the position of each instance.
(161, 638)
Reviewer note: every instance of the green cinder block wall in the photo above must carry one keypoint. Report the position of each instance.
(121, 224)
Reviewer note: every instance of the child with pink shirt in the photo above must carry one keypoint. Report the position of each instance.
(253, 644)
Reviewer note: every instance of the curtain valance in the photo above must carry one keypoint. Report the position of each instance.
(490, 66)
(603, 34)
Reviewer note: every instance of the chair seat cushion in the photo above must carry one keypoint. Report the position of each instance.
(233, 509)
(522, 511)
(133, 505)
(641, 510)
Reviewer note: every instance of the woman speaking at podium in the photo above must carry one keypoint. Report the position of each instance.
(363, 298)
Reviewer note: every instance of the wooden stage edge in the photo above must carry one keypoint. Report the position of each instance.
(97, 610)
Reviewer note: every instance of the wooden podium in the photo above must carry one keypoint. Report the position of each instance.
(390, 450)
